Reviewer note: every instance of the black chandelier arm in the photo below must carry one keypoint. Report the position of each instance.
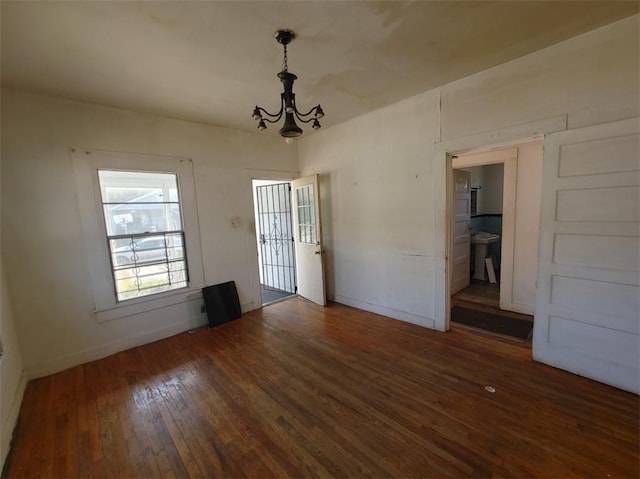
(276, 118)
(303, 120)
(272, 115)
(310, 112)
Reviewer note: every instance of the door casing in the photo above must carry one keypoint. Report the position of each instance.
(442, 168)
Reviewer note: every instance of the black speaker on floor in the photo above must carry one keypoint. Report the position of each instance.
(222, 303)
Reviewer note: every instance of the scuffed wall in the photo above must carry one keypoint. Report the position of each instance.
(43, 244)
(377, 170)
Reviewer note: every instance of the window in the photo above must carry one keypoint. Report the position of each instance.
(140, 226)
(144, 232)
(306, 214)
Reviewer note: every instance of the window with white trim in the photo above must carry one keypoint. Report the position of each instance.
(140, 225)
(143, 221)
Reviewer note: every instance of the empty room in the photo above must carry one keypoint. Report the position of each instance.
(313, 238)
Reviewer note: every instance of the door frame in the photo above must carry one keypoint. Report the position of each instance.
(507, 235)
(442, 178)
(265, 279)
(252, 246)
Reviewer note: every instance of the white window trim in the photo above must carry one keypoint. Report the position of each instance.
(86, 164)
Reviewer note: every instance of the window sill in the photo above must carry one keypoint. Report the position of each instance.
(144, 305)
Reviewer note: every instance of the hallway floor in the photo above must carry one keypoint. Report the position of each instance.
(481, 292)
(484, 296)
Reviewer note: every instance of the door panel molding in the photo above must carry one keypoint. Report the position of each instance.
(588, 299)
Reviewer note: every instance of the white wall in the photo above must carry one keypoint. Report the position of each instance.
(377, 208)
(381, 185)
(12, 375)
(43, 245)
(12, 378)
(592, 78)
(490, 196)
(491, 180)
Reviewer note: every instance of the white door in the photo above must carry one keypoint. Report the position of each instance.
(588, 300)
(308, 239)
(461, 247)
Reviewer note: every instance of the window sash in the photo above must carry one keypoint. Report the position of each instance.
(141, 269)
(144, 263)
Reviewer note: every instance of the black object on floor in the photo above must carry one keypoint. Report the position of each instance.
(222, 303)
(518, 328)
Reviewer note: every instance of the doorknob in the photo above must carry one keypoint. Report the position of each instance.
(317, 252)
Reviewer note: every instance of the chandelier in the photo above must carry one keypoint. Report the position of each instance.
(288, 106)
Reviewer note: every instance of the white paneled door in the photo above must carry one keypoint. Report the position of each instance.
(461, 247)
(588, 300)
(308, 239)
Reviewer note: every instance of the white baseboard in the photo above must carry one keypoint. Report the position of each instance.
(104, 350)
(384, 311)
(12, 418)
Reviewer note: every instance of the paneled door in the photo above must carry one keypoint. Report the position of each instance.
(588, 299)
(308, 239)
(461, 247)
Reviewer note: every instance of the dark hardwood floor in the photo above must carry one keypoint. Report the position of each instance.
(296, 390)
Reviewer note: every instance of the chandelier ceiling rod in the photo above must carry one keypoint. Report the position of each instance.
(288, 106)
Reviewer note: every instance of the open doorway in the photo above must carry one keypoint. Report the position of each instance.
(495, 203)
(484, 224)
(275, 241)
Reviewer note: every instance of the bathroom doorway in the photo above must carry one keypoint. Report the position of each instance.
(484, 225)
(501, 272)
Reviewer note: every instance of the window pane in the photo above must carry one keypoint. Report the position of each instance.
(149, 279)
(137, 187)
(306, 214)
(136, 206)
(136, 250)
(128, 218)
(312, 235)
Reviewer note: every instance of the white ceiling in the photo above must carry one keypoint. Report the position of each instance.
(213, 61)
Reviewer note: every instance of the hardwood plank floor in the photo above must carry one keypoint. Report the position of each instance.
(297, 390)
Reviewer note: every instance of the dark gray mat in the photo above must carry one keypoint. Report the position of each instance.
(518, 328)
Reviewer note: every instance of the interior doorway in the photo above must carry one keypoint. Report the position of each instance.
(495, 286)
(479, 277)
(275, 240)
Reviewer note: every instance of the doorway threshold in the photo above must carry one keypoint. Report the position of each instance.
(270, 295)
(481, 292)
